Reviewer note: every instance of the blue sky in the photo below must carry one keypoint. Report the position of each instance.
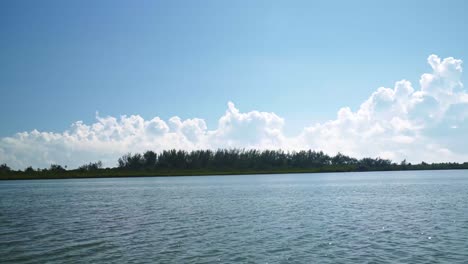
(303, 60)
(63, 61)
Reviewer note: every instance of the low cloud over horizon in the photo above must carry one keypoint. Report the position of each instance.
(428, 123)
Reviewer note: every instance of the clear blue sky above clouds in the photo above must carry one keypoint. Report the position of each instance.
(61, 61)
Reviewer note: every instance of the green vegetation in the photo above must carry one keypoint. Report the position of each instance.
(222, 162)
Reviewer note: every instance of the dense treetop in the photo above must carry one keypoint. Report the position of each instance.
(222, 161)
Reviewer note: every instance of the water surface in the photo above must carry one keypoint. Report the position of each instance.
(373, 217)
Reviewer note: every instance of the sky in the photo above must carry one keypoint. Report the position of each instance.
(88, 80)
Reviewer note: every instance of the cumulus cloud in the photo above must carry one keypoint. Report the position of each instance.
(109, 138)
(428, 124)
(400, 122)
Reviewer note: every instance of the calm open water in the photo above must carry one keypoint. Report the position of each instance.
(373, 217)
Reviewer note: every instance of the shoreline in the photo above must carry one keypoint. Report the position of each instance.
(112, 173)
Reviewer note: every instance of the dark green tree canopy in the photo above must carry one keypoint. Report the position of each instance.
(224, 161)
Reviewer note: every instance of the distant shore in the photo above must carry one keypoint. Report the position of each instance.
(221, 162)
(113, 173)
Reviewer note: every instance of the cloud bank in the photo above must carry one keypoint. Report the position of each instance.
(426, 124)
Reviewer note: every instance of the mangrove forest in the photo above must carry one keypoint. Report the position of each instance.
(221, 162)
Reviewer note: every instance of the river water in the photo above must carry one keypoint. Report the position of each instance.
(371, 217)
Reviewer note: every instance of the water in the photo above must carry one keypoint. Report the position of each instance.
(382, 217)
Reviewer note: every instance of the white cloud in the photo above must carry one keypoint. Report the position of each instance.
(399, 122)
(427, 124)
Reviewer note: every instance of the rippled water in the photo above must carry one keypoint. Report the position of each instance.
(394, 217)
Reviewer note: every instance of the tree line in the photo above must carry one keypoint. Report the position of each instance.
(241, 159)
(223, 161)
